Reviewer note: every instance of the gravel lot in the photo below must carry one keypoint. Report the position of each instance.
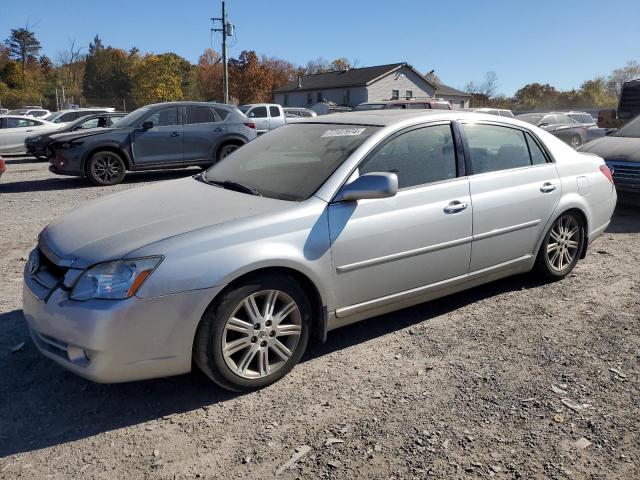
(516, 379)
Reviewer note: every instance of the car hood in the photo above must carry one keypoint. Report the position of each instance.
(615, 148)
(113, 226)
(89, 132)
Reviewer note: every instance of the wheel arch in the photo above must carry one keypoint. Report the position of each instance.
(109, 148)
(228, 140)
(319, 321)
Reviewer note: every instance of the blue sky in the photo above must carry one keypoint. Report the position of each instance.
(561, 42)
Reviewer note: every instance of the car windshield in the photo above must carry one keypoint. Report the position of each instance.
(369, 106)
(631, 129)
(292, 161)
(530, 118)
(133, 118)
(244, 108)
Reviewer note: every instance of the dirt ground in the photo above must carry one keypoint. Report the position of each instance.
(515, 379)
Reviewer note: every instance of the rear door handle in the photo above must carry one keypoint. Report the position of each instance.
(455, 207)
(175, 134)
(547, 187)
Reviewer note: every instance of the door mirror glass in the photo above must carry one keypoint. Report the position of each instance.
(370, 185)
(148, 125)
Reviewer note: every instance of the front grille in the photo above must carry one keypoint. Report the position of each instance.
(625, 173)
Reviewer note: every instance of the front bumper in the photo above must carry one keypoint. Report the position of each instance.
(37, 150)
(66, 162)
(111, 341)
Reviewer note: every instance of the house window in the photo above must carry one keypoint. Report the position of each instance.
(395, 94)
(319, 97)
(286, 100)
(309, 98)
(409, 94)
(461, 103)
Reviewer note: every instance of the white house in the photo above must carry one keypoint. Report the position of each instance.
(369, 84)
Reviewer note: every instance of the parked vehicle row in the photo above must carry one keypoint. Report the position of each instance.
(71, 115)
(413, 104)
(296, 234)
(560, 125)
(36, 112)
(38, 145)
(164, 135)
(621, 152)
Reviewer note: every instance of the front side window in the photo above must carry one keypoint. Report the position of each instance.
(93, 123)
(286, 100)
(319, 97)
(164, 117)
(631, 129)
(309, 99)
(274, 112)
(417, 157)
(197, 114)
(68, 117)
(548, 120)
(292, 161)
(495, 148)
(258, 112)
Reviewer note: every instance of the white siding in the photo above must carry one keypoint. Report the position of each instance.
(457, 102)
(401, 80)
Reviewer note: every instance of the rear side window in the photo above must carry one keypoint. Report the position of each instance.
(222, 113)
(537, 157)
(417, 157)
(258, 112)
(495, 148)
(199, 115)
(421, 106)
(274, 111)
(164, 117)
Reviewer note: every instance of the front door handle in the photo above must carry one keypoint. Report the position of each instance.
(547, 187)
(175, 134)
(218, 130)
(455, 207)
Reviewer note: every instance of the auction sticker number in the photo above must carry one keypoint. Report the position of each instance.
(343, 132)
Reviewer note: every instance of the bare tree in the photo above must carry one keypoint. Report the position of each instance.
(490, 85)
(71, 63)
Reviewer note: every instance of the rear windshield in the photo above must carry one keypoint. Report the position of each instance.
(292, 161)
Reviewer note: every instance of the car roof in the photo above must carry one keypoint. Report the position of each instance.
(23, 117)
(383, 118)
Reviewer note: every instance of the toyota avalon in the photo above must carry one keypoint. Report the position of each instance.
(311, 227)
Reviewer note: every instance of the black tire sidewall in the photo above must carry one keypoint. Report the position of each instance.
(97, 181)
(207, 344)
(221, 148)
(543, 264)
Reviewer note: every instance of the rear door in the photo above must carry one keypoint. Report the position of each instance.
(202, 127)
(514, 190)
(161, 144)
(276, 117)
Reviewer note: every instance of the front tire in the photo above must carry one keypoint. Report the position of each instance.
(561, 247)
(105, 168)
(576, 141)
(254, 334)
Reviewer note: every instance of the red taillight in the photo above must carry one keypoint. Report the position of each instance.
(250, 125)
(606, 172)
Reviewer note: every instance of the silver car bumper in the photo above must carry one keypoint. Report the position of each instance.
(115, 341)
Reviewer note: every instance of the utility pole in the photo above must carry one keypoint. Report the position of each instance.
(226, 30)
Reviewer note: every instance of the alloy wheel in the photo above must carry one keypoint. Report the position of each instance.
(261, 334)
(107, 167)
(227, 150)
(563, 243)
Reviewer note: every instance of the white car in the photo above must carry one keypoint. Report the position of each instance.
(71, 115)
(14, 129)
(36, 112)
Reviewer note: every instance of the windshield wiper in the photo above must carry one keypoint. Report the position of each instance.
(230, 185)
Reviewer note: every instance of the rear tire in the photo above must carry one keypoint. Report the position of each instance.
(225, 150)
(561, 247)
(254, 334)
(105, 168)
(576, 141)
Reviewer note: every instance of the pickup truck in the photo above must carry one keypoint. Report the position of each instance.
(266, 116)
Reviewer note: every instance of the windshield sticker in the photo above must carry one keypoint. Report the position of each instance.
(343, 132)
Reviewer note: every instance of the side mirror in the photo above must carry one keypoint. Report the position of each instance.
(610, 131)
(545, 124)
(148, 125)
(369, 185)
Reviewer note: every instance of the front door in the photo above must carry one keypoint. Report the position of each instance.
(420, 236)
(161, 144)
(259, 116)
(514, 190)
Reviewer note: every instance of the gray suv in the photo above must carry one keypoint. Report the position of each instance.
(158, 136)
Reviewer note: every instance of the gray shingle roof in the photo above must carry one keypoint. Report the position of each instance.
(447, 90)
(349, 78)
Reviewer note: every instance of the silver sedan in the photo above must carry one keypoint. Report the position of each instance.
(311, 227)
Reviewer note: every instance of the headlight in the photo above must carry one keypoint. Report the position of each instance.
(114, 280)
